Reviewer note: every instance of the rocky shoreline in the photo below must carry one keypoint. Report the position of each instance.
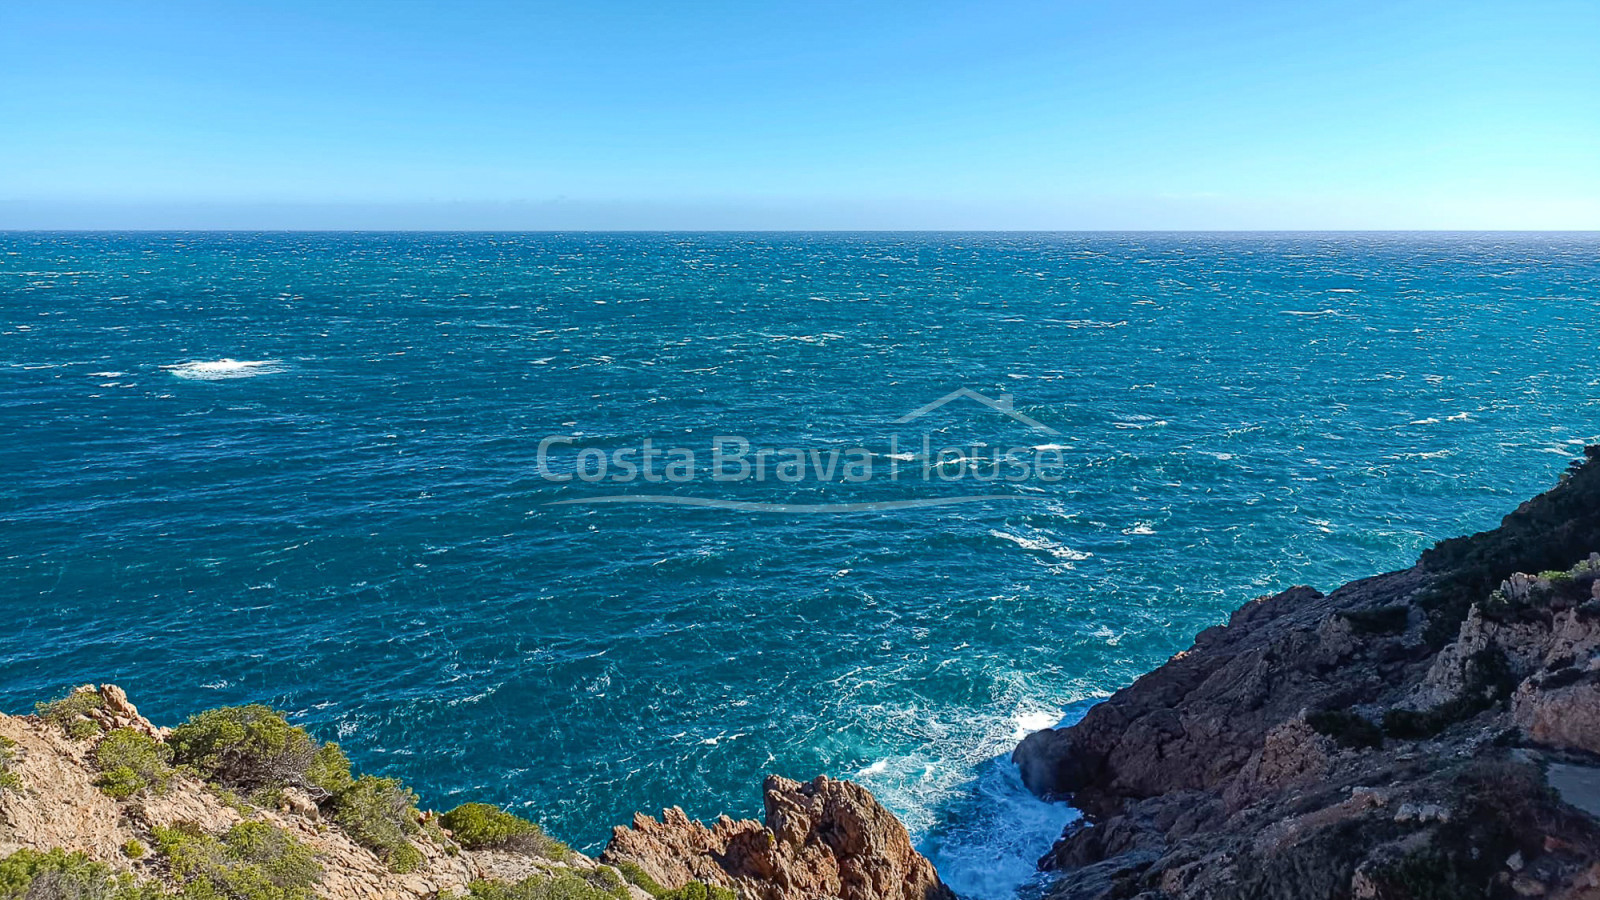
(1432, 732)
(99, 803)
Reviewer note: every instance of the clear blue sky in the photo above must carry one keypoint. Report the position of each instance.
(1054, 115)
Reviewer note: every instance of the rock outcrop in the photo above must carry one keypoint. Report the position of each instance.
(61, 788)
(822, 839)
(57, 802)
(1392, 739)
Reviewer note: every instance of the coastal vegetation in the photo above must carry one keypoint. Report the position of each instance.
(131, 762)
(72, 714)
(247, 747)
(55, 874)
(481, 826)
(251, 861)
(381, 814)
(8, 779)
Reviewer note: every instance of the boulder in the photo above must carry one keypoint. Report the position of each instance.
(821, 839)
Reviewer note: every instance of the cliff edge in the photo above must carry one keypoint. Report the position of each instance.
(1432, 732)
(99, 803)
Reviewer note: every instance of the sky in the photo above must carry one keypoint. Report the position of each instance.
(1008, 114)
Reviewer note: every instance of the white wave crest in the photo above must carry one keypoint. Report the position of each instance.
(224, 369)
(1042, 545)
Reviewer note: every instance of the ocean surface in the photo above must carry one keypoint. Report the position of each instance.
(305, 469)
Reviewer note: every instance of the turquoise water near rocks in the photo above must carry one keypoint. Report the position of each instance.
(303, 469)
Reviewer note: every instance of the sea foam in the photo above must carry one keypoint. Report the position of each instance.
(224, 369)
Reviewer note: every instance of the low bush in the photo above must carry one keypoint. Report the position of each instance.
(698, 890)
(329, 771)
(8, 756)
(559, 886)
(1347, 729)
(132, 762)
(252, 861)
(641, 879)
(480, 826)
(250, 747)
(133, 850)
(381, 815)
(694, 890)
(71, 713)
(59, 875)
(1381, 620)
(1489, 681)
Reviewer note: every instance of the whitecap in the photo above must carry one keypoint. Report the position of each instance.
(1026, 723)
(1042, 545)
(224, 369)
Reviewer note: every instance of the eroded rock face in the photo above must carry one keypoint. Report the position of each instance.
(821, 839)
(1394, 733)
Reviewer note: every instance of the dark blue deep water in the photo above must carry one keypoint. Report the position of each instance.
(303, 469)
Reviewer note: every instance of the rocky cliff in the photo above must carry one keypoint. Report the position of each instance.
(823, 839)
(1433, 732)
(98, 803)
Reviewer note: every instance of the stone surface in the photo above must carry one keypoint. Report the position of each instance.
(1392, 733)
(821, 839)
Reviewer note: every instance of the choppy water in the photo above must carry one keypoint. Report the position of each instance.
(302, 468)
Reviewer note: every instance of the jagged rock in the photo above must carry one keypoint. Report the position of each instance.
(1567, 718)
(822, 839)
(1228, 770)
(124, 714)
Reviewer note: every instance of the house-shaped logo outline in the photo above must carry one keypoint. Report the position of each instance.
(1002, 405)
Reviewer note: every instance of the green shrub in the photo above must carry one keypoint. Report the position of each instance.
(404, 859)
(133, 850)
(329, 771)
(480, 826)
(1412, 725)
(694, 890)
(1489, 680)
(1346, 728)
(132, 762)
(381, 815)
(698, 890)
(249, 747)
(639, 878)
(58, 875)
(1381, 620)
(8, 756)
(71, 713)
(558, 886)
(252, 861)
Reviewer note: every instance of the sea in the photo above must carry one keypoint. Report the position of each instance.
(585, 524)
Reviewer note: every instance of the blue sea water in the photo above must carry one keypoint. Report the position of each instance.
(304, 469)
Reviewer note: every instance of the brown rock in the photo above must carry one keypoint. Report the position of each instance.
(823, 839)
(1567, 718)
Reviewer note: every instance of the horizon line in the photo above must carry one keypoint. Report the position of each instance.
(171, 230)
